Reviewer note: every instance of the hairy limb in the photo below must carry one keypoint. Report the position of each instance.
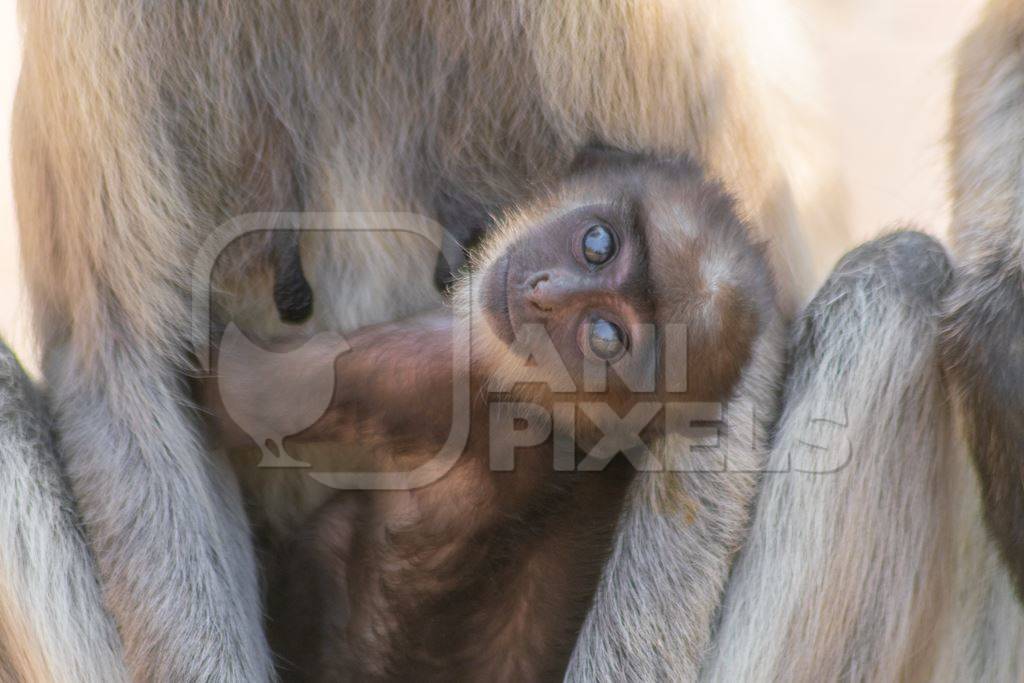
(104, 224)
(842, 576)
(984, 323)
(53, 626)
(655, 606)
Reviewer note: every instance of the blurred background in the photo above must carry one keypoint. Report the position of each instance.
(885, 68)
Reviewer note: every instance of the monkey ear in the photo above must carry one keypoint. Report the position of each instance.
(598, 154)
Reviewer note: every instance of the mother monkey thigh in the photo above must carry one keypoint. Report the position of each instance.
(138, 131)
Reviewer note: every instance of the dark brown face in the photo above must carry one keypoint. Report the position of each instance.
(580, 279)
(636, 272)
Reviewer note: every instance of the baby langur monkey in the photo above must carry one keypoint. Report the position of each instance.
(633, 264)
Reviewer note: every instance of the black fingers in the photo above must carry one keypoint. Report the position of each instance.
(292, 294)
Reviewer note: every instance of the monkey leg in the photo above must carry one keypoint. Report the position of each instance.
(984, 322)
(53, 625)
(984, 353)
(841, 576)
(163, 516)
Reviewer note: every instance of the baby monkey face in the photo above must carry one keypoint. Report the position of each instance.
(574, 291)
(635, 278)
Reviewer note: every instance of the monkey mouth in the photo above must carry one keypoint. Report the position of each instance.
(495, 300)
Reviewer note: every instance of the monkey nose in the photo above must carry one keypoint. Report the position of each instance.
(548, 291)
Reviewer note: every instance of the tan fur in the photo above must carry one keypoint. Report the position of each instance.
(140, 127)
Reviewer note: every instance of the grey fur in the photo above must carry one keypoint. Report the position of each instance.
(877, 570)
(984, 323)
(854, 551)
(53, 625)
(654, 611)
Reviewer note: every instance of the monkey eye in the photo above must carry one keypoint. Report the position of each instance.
(607, 341)
(598, 245)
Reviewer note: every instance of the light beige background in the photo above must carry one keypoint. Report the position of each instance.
(13, 313)
(885, 67)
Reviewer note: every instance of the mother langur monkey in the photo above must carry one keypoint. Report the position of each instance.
(141, 127)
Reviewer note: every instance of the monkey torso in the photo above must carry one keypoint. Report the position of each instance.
(485, 573)
(480, 575)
